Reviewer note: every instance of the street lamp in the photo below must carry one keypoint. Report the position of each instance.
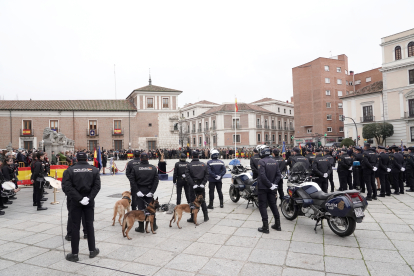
(343, 120)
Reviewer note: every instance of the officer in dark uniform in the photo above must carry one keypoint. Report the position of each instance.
(296, 158)
(384, 169)
(38, 179)
(282, 167)
(254, 162)
(179, 178)
(344, 170)
(409, 169)
(328, 155)
(310, 156)
(269, 176)
(145, 182)
(129, 172)
(396, 170)
(197, 175)
(82, 183)
(2, 198)
(357, 170)
(369, 167)
(216, 171)
(321, 168)
(10, 174)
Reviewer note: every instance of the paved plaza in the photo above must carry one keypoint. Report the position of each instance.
(228, 244)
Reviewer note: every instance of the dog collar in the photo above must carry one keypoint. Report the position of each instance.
(125, 197)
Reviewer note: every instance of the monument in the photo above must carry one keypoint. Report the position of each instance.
(57, 142)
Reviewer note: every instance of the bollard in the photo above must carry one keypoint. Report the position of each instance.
(54, 192)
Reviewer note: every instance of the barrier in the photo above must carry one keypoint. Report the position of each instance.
(21, 164)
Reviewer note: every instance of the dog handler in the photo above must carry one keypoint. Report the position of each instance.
(216, 171)
(179, 178)
(82, 183)
(130, 175)
(145, 182)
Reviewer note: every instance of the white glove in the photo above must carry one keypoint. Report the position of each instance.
(274, 186)
(218, 177)
(195, 187)
(139, 194)
(84, 201)
(350, 168)
(149, 195)
(333, 168)
(402, 169)
(183, 176)
(202, 186)
(374, 169)
(388, 169)
(325, 175)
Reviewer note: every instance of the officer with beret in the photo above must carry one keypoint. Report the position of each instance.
(328, 155)
(296, 158)
(145, 182)
(384, 169)
(129, 172)
(216, 171)
(409, 166)
(254, 162)
(397, 168)
(321, 168)
(369, 167)
(82, 183)
(282, 167)
(179, 178)
(344, 170)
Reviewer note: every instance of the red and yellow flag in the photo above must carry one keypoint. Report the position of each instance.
(25, 174)
(237, 108)
(95, 158)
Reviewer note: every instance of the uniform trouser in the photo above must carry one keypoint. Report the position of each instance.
(369, 180)
(323, 183)
(180, 185)
(77, 210)
(134, 203)
(385, 183)
(330, 178)
(356, 173)
(345, 180)
(143, 202)
(280, 188)
(409, 174)
(69, 225)
(211, 187)
(266, 197)
(193, 195)
(397, 182)
(37, 186)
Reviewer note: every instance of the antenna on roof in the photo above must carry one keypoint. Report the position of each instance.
(330, 53)
(150, 82)
(115, 81)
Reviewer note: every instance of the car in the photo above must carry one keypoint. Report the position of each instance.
(334, 144)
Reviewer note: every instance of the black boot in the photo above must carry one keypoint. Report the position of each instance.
(264, 228)
(68, 238)
(210, 206)
(221, 203)
(155, 224)
(140, 227)
(276, 226)
(206, 217)
(191, 219)
(93, 254)
(72, 257)
(41, 208)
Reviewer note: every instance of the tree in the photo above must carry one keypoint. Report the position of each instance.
(347, 142)
(379, 131)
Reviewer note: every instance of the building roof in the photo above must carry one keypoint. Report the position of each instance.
(199, 102)
(269, 100)
(69, 105)
(154, 88)
(375, 87)
(230, 108)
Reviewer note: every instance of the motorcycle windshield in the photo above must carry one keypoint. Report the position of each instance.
(299, 168)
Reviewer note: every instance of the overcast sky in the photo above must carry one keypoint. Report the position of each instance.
(211, 50)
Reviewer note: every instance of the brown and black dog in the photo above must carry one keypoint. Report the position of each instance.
(138, 215)
(179, 209)
(122, 205)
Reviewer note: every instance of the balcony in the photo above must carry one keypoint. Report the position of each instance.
(199, 130)
(26, 133)
(117, 132)
(206, 129)
(213, 128)
(236, 126)
(292, 129)
(193, 131)
(408, 115)
(92, 132)
(368, 118)
(266, 126)
(274, 127)
(259, 126)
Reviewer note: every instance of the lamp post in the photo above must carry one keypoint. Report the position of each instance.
(343, 119)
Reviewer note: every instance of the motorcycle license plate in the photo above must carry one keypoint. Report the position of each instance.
(359, 213)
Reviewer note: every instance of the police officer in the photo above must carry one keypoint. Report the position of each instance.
(344, 170)
(369, 167)
(409, 169)
(396, 170)
(38, 179)
(197, 175)
(254, 161)
(321, 168)
(310, 155)
(384, 170)
(10, 174)
(2, 198)
(129, 172)
(269, 176)
(145, 182)
(332, 160)
(179, 178)
(216, 171)
(298, 158)
(82, 183)
(282, 167)
(356, 169)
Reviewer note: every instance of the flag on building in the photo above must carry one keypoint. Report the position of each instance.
(237, 108)
(284, 150)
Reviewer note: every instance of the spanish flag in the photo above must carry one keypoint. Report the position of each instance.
(25, 174)
(95, 158)
(237, 108)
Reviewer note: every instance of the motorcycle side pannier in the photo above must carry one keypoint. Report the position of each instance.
(339, 206)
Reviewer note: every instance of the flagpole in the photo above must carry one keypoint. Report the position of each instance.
(235, 130)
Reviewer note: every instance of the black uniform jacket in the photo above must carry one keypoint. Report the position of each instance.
(130, 169)
(179, 170)
(321, 165)
(196, 173)
(269, 173)
(254, 162)
(145, 178)
(369, 160)
(39, 171)
(344, 162)
(384, 162)
(81, 180)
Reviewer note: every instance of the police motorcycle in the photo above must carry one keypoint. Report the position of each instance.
(242, 184)
(342, 209)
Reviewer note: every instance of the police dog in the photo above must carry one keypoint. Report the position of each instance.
(122, 205)
(132, 216)
(179, 209)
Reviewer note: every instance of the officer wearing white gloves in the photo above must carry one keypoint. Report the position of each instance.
(196, 175)
(145, 181)
(179, 178)
(216, 171)
(82, 183)
(321, 168)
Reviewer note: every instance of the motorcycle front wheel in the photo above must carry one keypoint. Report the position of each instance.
(234, 194)
(342, 226)
(289, 212)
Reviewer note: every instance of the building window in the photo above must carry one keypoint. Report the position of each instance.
(411, 108)
(194, 141)
(412, 133)
(27, 127)
(326, 68)
(339, 93)
(339, 81)
(54, 125)
(309, 130)
(150, 102)
(350, 83)
(258, 137)
(199, 140)
(329, 129)
(258, 123)
(339, 105)
(347, 83)
(411, 49)
(347, 92)
(188, 129)
(279, 124)
(273, 138)
(280, 138)
(165, 102)
(341, 129)
(193, 112)
(206, 125)
(367, 114)
(188, 114)
(266, 137)
(117, 127)
(285, 137)
(93, 124)
(357, 82)
(397, 53)
(150, 125)
(411, 76)
(368, 79)
(328, 105)
(214, 123)
(284, 110)
(278, 109)
(290, 111)
(338, 69)
(328, 92)
(214, 139)
(329, 117)
(327, 80)
(346, 72)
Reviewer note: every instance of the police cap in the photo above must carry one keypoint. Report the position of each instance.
(144, 156)
(297, 150)
(137, 153)
(411, 148)
(373, 148)
(317, 150)
(276, 152)
(195, 153)
(381, 147)
(358, 148)
(393, 147)
(367, 145)
(81, 156)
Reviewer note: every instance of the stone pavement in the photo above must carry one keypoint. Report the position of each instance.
(228, 244)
